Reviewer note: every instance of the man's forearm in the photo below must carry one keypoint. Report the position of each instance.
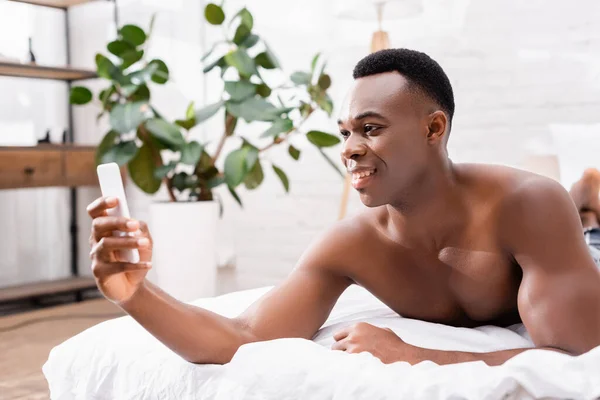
(197, 335)
(443, 357)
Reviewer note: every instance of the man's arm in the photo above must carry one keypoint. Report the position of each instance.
(296, 308)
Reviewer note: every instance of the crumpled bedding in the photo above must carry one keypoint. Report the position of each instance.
(118, 359)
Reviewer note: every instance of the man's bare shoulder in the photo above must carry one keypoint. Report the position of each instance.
(527, 206)
(343, 244)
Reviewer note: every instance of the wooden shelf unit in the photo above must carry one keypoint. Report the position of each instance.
(42, 72)
(47, 165)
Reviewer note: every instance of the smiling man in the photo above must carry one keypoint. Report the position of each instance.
(458, 244)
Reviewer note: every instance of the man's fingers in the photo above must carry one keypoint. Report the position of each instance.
(104, 226)
(104, 248)
(104, 269)
(341, 334)
(340, 345)
(98, 207)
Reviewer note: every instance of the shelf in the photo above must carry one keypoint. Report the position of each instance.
(53, 3)
(45, 288)
(40, 72)
(47, 165)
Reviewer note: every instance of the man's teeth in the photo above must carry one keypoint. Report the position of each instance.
(358, 175)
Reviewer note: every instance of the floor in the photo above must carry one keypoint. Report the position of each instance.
(27, 338)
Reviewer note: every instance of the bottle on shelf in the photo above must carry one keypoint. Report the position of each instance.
(31, 56)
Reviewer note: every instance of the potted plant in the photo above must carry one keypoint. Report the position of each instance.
(159, 152)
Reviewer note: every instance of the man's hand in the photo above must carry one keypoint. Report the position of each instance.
(383, 343)
(117, 279)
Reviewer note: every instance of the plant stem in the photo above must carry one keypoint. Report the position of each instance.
(157, 160)
(228, 121)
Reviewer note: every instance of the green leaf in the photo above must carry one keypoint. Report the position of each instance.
(313, 64)
(205, 113)
(272, 56)
(240, 90)
(105, 68)
(279, 126)
(214, 14)
(189, 112)
(250, 41)
(264, 61)
(166, 133)
(162, 171)
(235, 195)
(324, 81)
(183, 181)
(125, 118)
(191, 153)
(128, 90)
(283, 177)
(263, 90)
(241, 33)
(143, 75)
(294, 152)
(161, 75)
(253, 109)
(121, 154)
(240, 60)
(141, 169)
(322, 139)
(118, 47)
(131, 57)
(333, 165)
(325, 103)
(219, 62)
(251, 155)
(300, 78)
(80, 95)
(104, 95)
(254, 177)
(246, 18)
(216, 181)
(235, 167)
(141, 94)
(133, 34)
(186, 124)
(107, 142)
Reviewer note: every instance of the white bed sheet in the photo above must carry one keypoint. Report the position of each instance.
(118, 359)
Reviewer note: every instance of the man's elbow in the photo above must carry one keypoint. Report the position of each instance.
(224, 351)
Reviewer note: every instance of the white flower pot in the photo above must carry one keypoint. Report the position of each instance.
(184, 258)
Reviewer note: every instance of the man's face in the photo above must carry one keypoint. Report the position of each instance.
(385, 127)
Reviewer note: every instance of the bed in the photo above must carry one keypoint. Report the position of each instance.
(118, 359)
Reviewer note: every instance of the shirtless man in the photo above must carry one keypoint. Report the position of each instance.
(458, 244)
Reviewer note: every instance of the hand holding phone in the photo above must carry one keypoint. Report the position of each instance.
(111, 184)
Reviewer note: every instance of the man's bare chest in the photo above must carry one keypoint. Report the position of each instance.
(457, 285)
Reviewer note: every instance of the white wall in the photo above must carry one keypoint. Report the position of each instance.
(516, 67)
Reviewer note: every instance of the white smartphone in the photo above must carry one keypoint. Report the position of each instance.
(111, 184)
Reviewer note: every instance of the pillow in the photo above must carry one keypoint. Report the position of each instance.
(118, 359)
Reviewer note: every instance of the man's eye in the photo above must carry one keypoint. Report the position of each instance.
(369, 128)
(345, 134)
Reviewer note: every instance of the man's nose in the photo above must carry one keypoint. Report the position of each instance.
(354, 147)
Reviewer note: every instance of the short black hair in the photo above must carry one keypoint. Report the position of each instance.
(418, 68)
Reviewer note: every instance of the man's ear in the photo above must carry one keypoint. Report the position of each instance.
(438, 122)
